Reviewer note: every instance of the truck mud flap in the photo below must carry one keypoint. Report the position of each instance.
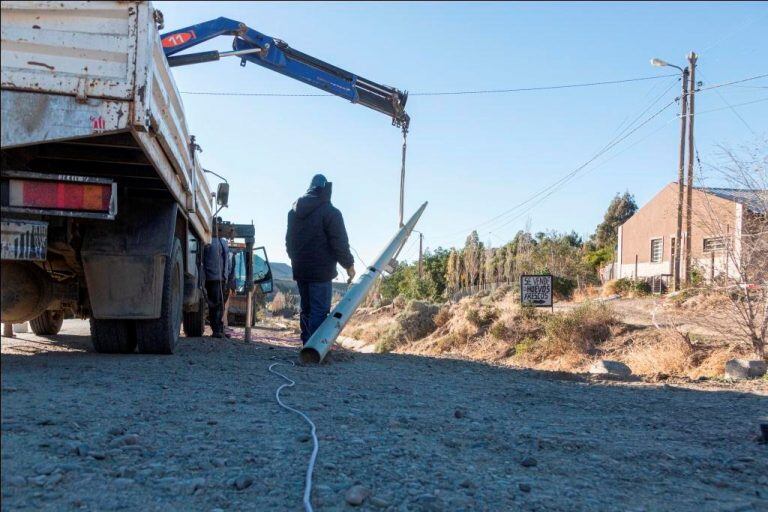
(124, 261)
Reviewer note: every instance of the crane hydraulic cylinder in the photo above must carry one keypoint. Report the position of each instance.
(323, 338)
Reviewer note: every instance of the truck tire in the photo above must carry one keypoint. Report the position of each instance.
(159, 336)
(48, 323)
(194, 321)
(113, 336)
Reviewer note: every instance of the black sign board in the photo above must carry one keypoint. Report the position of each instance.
(536, 290)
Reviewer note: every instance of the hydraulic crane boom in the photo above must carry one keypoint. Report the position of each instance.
(274, 54)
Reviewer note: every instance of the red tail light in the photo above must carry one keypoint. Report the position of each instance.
(58, 195)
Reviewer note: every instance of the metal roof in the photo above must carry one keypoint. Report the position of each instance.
(755, 200)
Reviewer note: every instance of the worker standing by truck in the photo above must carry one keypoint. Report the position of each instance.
(316, 240)
(215, 258)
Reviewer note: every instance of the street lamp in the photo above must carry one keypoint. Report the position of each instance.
(662, 63)
(681, 169)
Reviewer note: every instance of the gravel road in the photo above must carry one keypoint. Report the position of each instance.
(201, 431)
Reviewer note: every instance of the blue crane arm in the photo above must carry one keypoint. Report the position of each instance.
(271, 53)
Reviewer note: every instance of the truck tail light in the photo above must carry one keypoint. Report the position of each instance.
(57, 195)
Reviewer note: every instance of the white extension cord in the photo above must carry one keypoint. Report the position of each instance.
(313, 457)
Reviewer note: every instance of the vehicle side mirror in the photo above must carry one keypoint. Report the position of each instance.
(222, 194)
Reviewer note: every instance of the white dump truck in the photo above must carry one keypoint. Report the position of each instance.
(105, 208)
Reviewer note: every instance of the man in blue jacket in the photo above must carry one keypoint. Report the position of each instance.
(316, 241)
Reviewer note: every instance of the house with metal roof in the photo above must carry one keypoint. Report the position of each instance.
(720, 219)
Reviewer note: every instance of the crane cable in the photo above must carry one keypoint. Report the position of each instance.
(311, 466)
(402, 175)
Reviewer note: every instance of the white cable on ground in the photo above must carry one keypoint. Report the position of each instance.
(313, 457)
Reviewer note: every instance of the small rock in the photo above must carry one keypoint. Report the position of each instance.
(123, 482)
(98, 455)
(116, 431)
(126, 440)
(740, 369)
(303, 438)
(378, 502)
(81, 449)
(356, 495)
(524, 487)
(195, 484)
(459, 413)
(218, 462)
(230, 400)
(45, 469)
(467, 484)
(528, 462)
(17, 480)
(243, 482)
(329, 466)
(38, 480)
(608, 368)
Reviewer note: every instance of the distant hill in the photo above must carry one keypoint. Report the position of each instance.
(281, 271)
(282, 275)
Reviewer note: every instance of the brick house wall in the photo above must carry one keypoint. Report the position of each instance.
(712, 218)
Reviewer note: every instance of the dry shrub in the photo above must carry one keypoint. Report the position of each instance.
(499, 330)
(448, 342)
(713, 364)
(667, 353)
(587, 293)
(499, 293)
(482, 317)
(414, 322)
(578, 330)
(610, 288)
(443, 316)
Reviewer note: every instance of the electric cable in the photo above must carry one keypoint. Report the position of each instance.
(441, 93)
(313, 458)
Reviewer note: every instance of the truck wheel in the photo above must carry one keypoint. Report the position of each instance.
(194, 321)
(113, 336)
(48, 323)
(159, 336)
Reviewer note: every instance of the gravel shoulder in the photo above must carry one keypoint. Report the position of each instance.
(201, 430)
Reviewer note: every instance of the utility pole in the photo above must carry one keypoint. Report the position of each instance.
(680, 181)
(692, 57)
(421, 266)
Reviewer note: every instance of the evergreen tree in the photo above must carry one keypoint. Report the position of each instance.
(622, 207)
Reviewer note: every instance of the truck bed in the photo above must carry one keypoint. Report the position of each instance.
(86, 89)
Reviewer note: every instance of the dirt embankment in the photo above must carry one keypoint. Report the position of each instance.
(201, 431)
(657, 338)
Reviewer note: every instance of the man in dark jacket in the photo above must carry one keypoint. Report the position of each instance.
(316, 241)
(215, 257)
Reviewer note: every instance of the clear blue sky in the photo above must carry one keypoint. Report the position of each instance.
(471, 156)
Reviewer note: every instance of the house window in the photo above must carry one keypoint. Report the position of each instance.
(657, 246)
(713, 244)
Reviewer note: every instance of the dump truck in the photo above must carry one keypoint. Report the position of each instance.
(105, 206)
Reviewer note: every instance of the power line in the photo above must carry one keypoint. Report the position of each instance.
(440, 93)
(471, 92)
(540, 88)
(550, 189)
(611, 143)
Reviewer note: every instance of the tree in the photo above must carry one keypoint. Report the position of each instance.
(622, 207)
(745, 276)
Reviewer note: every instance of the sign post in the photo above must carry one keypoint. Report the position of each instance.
(536, 291)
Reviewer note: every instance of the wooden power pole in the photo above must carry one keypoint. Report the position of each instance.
(692, 57)
(421, 266)
(680, 182)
